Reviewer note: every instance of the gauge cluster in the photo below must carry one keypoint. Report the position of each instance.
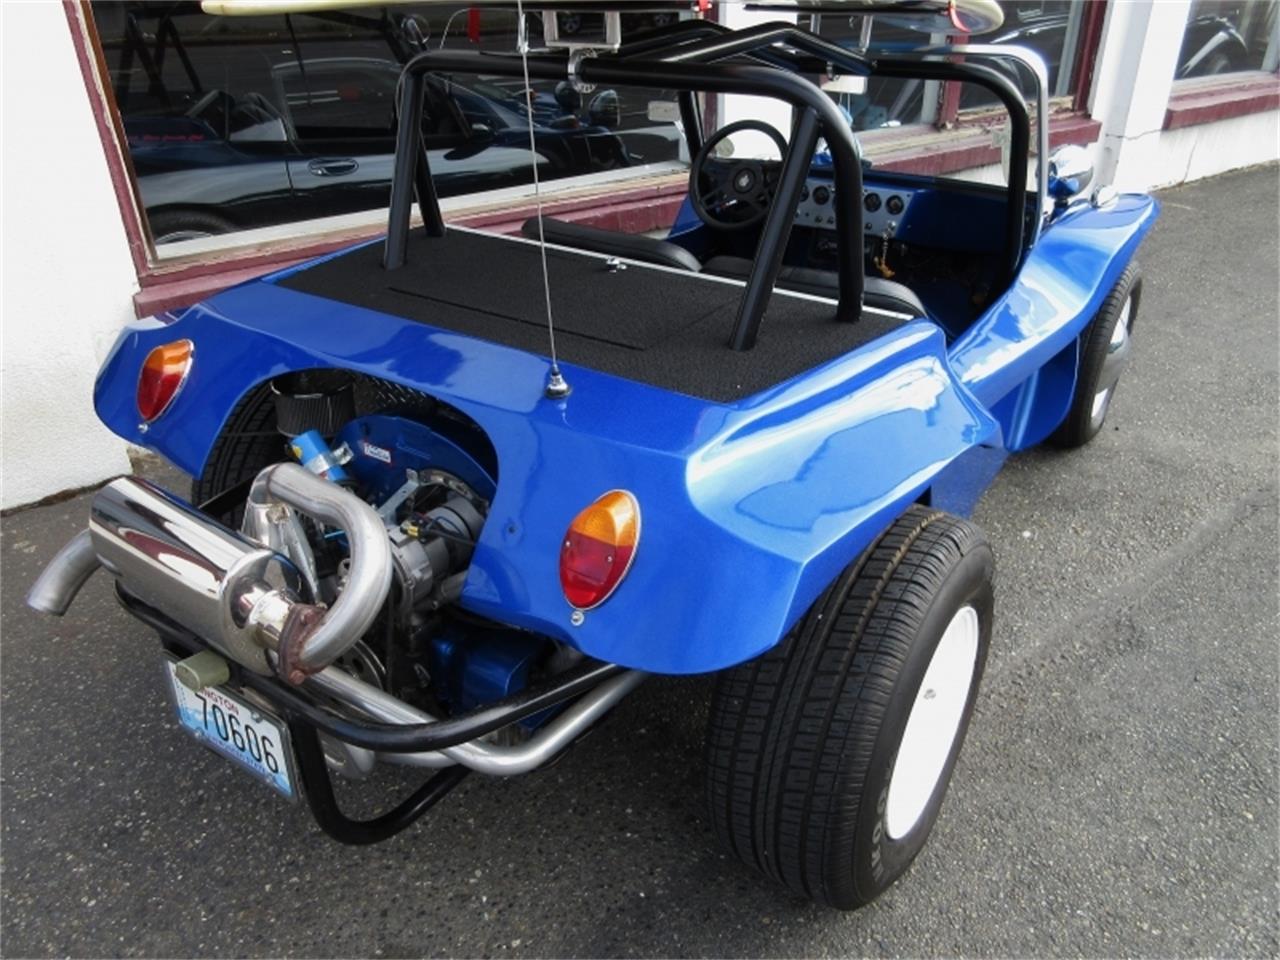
(882, 208)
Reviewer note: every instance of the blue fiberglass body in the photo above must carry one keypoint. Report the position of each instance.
(762, 500)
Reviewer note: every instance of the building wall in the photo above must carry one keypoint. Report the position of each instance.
(1133, 81)
(68, 276)
(1204, 150)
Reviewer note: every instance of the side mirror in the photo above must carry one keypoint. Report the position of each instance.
(478, 140)
(605, 110)
(1070, 173)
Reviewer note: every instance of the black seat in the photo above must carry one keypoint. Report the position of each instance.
(633, 246)
(876, 291)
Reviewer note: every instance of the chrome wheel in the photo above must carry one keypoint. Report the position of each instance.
(933, 723)
(1114, 364)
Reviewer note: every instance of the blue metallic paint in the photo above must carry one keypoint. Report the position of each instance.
(750, 509)
(384, 447)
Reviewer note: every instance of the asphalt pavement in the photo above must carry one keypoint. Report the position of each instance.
(1117, 794)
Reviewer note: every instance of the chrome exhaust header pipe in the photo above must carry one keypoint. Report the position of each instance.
(239, 596)
(320, 639)
(488, 758)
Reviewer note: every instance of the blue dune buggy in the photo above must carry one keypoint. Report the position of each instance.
(417, 535)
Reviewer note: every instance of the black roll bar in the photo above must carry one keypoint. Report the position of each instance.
(764, 36)
(1019, 139)
(662, 38)
(777, 230)
(800, 93)
(411, 165)
(691, 120)
(407, 177)
(683, 33)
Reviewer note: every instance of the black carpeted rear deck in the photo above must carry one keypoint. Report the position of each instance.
(655, 326)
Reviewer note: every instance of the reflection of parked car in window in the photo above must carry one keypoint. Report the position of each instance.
(280, 121)
(322, 145)
(1210, 45)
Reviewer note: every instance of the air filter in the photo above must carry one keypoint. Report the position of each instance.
(322, 400)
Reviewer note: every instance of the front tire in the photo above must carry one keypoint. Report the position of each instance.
(828, 757)
(1105, 347)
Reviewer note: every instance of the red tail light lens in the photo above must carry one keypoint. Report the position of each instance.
(598, 549)
(163, 373)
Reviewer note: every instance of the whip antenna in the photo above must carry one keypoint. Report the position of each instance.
(557, 387)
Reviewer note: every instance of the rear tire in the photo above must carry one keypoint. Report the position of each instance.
(828, 757)
(248, 442)
(171, 226)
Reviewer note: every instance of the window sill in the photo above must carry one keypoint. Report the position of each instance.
(929, 152)
(1221, 98)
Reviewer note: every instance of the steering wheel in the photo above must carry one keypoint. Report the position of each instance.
(732, 193)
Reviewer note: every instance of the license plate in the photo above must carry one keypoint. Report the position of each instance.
(249, 737)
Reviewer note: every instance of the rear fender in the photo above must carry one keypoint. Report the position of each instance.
(817, 479)
(749, 510)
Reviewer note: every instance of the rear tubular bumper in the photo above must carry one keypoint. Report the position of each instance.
(307, 722)
(387, 737)
(208, 589)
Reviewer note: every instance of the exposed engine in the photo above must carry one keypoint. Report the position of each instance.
(344, 582)
(432, 495)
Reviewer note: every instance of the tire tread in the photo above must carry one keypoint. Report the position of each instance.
(792, 732)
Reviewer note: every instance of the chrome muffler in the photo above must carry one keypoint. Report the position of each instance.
(240, 596)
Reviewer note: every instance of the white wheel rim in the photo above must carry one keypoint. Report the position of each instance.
(933, 723)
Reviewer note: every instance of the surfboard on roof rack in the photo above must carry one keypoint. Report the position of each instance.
(972, 17)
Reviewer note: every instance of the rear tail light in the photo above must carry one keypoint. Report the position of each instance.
(163, 373)
(598, 549)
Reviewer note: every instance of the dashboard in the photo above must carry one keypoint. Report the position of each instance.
(882, 208)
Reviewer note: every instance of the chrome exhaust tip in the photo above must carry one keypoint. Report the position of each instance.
(67, 572)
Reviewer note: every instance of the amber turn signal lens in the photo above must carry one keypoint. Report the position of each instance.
(598, 549)
(162, 376)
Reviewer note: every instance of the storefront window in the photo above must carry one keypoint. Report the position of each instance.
(1051, 28)
(1229, 36)
(241, 122)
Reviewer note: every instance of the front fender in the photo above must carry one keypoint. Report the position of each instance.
(1019, 359)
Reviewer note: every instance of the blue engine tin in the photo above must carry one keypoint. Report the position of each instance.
(483, 666)
(749, 509)
(384, 447)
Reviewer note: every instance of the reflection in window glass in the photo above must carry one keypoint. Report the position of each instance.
(241, 122)
(1050, 28)
(886, 103)
(1227, 36)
